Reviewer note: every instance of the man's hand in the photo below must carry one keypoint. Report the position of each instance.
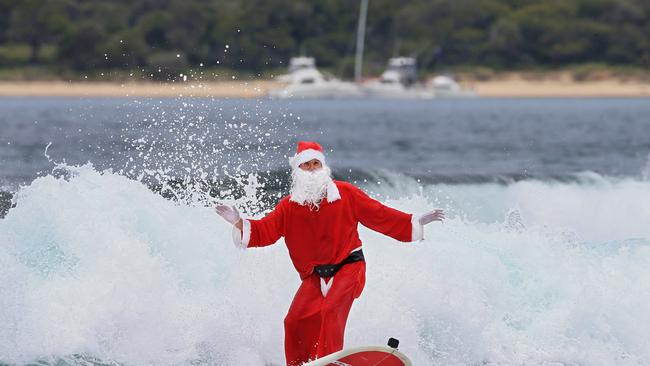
(435, 215)
(229, 214)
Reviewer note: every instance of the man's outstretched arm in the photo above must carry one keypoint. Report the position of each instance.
(389, 221)
(253, 233)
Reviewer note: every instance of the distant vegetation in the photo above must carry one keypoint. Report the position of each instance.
(42, 38)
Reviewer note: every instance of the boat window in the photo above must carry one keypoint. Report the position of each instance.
(307, 81)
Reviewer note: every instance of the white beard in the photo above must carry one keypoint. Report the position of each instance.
(309, 188)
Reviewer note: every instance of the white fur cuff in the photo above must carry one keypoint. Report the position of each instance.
(417, 232)
(241, 238)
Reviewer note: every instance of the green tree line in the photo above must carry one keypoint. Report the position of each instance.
(259, 35)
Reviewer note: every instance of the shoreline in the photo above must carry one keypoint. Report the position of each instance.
(226, 89)
(510, 87)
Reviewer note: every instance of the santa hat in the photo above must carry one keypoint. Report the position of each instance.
(307, 150)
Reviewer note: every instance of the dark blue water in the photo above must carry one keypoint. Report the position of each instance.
(469, 140)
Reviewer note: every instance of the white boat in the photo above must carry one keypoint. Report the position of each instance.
(446, 87)
(399, 80)
(305, 81)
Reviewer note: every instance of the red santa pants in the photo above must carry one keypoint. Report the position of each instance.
(315, 325)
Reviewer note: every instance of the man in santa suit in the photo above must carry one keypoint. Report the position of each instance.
(318, 221)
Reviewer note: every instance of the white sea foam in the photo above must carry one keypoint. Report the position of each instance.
(533, 273)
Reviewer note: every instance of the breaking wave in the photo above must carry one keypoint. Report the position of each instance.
(96, 268)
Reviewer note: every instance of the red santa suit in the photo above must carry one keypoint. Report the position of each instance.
(315, 322)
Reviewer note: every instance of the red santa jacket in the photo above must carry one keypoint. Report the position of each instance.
(328, 234)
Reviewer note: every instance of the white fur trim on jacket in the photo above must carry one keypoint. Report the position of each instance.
(325, 286)
(305, 156)
(241, 238)
(417, 232)
(332, 192)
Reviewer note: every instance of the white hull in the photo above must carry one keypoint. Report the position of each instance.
(306, 82)
(455, 94)
(324, 90)
(396, 91)
(446, 87)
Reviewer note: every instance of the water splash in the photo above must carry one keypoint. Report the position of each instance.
(94, 266)
(645, 171)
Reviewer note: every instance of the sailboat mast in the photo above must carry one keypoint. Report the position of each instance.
(361, 33)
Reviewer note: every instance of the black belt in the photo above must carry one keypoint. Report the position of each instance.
(329, 270)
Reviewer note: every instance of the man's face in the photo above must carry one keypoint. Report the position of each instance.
(311, 165)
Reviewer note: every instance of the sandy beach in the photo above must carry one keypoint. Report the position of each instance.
(232, 89)
(506, 87)
(516, 86)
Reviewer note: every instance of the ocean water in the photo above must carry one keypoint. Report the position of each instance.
(452, 141)
(110, 252)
